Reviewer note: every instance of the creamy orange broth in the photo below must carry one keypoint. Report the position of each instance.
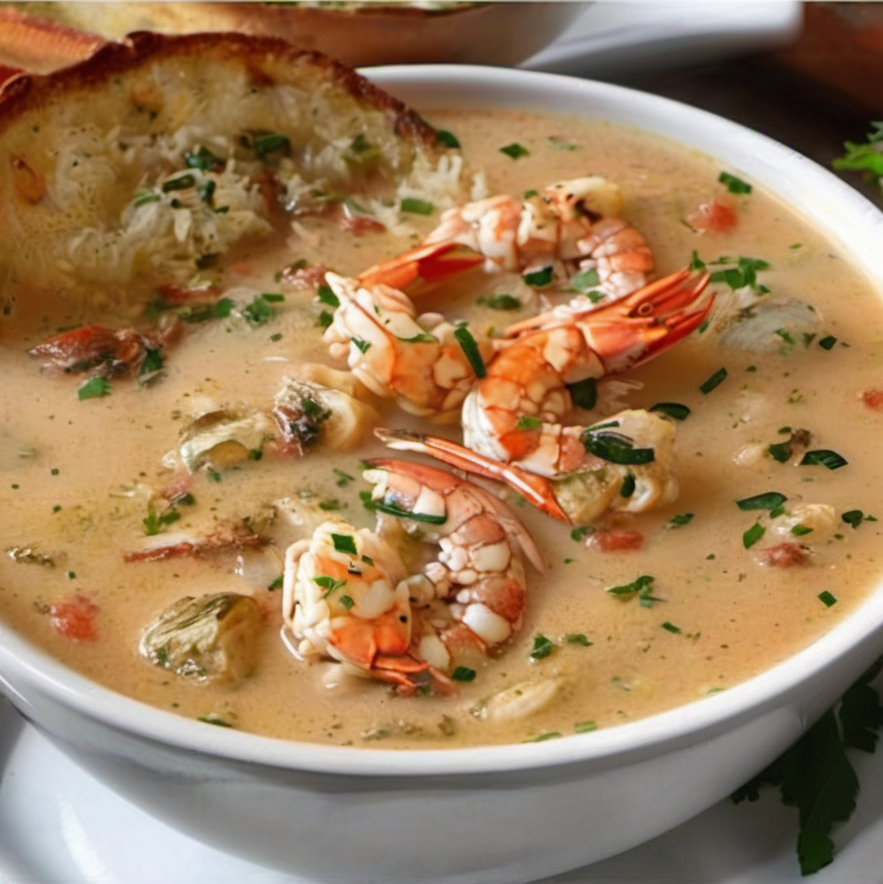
(75, 475)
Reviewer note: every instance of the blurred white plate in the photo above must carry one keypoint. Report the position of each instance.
(613, 37)
(60, 826)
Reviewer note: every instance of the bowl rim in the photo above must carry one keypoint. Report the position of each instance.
(818, 194)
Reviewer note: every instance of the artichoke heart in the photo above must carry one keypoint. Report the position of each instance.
(224, 437)
(213, 637)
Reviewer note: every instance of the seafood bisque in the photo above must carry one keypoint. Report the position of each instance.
(664, 484)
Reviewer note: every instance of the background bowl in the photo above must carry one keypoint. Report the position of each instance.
(356, 33)
(494, 814)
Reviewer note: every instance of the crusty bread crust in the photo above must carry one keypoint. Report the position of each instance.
(268, 57)
(78, 145)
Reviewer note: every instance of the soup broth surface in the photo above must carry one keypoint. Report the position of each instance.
(707, 593)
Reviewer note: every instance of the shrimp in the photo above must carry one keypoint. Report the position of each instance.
(571, 225)
(515, 412)
(635, 473)
(348, 595)
(419, 361)
(513, 420)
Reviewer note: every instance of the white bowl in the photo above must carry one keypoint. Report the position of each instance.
(494, 814)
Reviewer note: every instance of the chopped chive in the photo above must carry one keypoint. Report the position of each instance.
(549, 735)
(627, 489)
(827, 598)
(752, 535)
(417, 206)
(824, 457)
(270, 143)
(672, 409)
(615, 449)
(713, 381)
(500, 302)
(768, 500)
(670, 627)
(470, 348)
(392, 510)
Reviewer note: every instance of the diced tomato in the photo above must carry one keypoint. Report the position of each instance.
(616, 540)
(718, 216)
(75, 619)
(873, 399)
(784, 555)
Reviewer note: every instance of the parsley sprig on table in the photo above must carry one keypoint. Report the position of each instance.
(864, 156)
(816, 776)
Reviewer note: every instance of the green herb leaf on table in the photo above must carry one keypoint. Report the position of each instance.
(816, 776)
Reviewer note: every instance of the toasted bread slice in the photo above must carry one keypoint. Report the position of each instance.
(133, 166)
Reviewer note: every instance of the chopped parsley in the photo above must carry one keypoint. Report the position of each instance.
(155, 521)
(447, 139)
(539, 278)
(344, 543)
(584, 394)
(515, 150)
(642, 588)
(542, 647)
(329, 584)
(827, 598)
(734, 184)
(94, 388)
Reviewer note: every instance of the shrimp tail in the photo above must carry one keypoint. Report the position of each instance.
(536, 489)
(423, 268)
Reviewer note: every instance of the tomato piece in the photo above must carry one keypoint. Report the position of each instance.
(718, 216)
(616, 540)
(873, 399)
(784, 555)
(75, 619)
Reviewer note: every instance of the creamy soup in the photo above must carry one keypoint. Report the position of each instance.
(771, 539)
